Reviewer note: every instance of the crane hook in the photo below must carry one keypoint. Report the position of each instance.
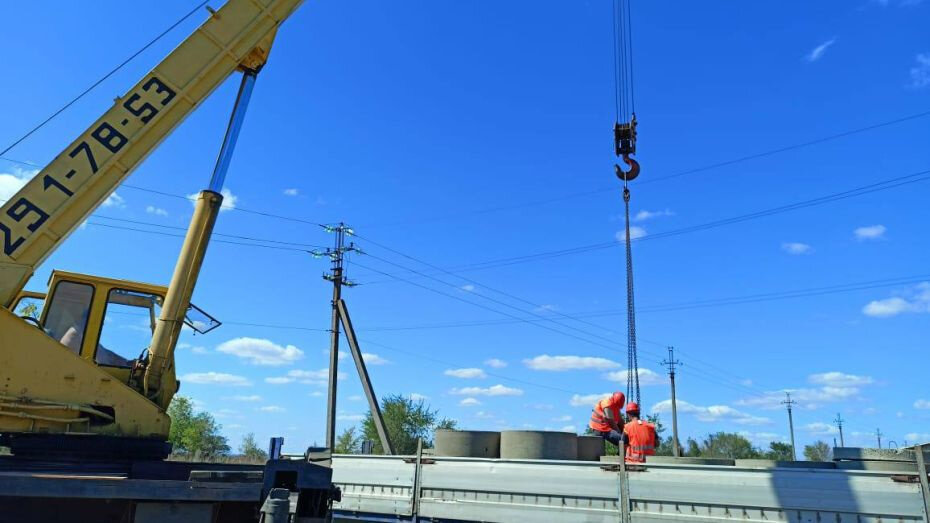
(632, 173)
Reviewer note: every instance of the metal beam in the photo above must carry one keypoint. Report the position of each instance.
(363, 376)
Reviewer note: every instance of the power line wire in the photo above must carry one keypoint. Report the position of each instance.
(102, 79)
(160, 233)
(609, 340)
(883, 185)
(694, 170)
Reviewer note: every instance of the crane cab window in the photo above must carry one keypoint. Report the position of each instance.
(66, 318)
(128, 324)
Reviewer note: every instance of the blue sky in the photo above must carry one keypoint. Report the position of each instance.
(458, 133)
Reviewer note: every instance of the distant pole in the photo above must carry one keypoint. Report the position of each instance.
(336, 255)
(670, 363)
(788, 403)
(878, 434)
(839, 425)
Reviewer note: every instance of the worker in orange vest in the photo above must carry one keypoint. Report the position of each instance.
(639, 436)
(606, 420)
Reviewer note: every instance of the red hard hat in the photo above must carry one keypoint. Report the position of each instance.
(632, 407)
(618, 398)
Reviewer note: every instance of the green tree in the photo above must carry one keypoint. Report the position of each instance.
(250, 449)
(406, 421)
(194, 433)
(348, 442)
(728, 445)
(818, 451)
(692, 449)
(30, 310)
(779, 451)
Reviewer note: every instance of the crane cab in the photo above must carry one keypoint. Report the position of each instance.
(105, 321)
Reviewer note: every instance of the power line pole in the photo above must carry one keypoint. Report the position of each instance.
(670, 363)
(340, 316)
(788, 403)
(336, 256)
(878, 434)
(839, 425)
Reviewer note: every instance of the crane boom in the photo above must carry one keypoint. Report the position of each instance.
(61, 196)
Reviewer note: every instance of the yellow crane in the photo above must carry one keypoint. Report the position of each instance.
(61, 389)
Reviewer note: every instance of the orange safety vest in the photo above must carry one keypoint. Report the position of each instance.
(642, 441)
(599, 420)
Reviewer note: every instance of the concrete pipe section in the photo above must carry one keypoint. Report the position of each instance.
(590, 448)
(467, 443)
(534, 444)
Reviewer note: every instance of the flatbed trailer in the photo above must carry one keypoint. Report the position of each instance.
(405, 488)
(142, 491)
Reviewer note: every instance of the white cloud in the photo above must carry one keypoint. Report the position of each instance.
(495, 390)
(471, 373)
(157, 211)
(712, 413)
(356, 397)
(271, 408)
(469, 402)
(373, 359)
(216, 378)
(229, 200)
(839, 379)
(253, 397)
(468, 288)
(761, 437)
(832, 387)
(416, 396)
(562, 419)
(11, 183)
(115, 201)
(746, 382)
(920, 73)
(648, 215)
(915, 437)
(350, 417)
(196, 349)
(916, 300)
(817, 52)
(646, 377)
(822, 429)
(258, 351)
(546, 307)
(495, 363)
(561, 363)
(886, 307)
(796, 248)
(922, 404)
(587, 400)
(312, 377)
(568, 428)
(871, 232)
(291, 192)
(635, 232)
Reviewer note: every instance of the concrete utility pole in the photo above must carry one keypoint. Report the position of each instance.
(670, 363)
(839, 425)
(341, 317)
(336, 255)
(878, 434)
(788, 403)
